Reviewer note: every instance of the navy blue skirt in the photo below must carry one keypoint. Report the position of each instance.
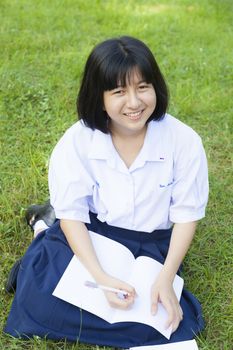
(35, 311)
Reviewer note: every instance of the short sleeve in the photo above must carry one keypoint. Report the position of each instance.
(190, 186)
(70, 183)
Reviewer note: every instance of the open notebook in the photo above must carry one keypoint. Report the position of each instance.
(118, 261)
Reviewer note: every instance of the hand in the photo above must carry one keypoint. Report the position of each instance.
(113, 298)
(162, 291)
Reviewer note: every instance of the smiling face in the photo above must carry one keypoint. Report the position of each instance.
(130, 106)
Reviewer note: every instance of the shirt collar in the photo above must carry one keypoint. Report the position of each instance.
(102, 147)
(152, 150)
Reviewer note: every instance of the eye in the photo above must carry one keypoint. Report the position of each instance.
(143, 86)
(118, 91)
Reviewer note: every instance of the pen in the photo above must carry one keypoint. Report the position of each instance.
(120, 292)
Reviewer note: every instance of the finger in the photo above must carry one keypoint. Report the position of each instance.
(181, 313)
(120, 303)
(154, 303)
(171, 313)
(175, 324)
(178, 318)
(128, 288)
(130, 296)
(126, 291)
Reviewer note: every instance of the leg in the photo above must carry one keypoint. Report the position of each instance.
(38, 217)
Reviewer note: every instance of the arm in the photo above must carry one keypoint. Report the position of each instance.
(188, 201)
(162, 289)
(79, 240)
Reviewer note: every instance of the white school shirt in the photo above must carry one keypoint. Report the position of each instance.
(167, 183)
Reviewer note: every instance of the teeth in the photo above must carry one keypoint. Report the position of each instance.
(135, 114)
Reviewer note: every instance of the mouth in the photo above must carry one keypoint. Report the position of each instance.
(134, 115)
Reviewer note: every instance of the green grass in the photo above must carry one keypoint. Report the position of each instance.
(44, 45)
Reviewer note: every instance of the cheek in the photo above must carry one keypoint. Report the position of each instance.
(108, 103)
(109, 108)
(151, 100)
(112, 106)
(154, 99)
(105, 102)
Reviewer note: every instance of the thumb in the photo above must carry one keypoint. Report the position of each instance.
(128, 288)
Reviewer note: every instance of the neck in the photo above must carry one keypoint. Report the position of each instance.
(128, 135)
(128, 146)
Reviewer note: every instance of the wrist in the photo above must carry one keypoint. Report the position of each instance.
(101, 277)
(167, 274)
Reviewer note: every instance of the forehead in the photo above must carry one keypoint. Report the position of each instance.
(124, 72)
(133, 76)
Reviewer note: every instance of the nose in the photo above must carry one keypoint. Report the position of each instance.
(133, 100)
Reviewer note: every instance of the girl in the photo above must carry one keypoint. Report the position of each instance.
(131, 172)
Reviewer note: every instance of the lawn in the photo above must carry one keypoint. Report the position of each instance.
(44, 45)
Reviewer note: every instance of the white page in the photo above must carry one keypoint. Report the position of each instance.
(74, 291)
(144, 272)
(114, 256)
(184, 345)
(117, 261)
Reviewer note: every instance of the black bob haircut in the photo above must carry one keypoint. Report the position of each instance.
(109, 64)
